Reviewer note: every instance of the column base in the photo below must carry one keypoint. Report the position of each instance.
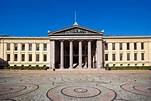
(50, 69)
(71, 68)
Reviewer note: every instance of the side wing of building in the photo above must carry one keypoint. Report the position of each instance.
(127, 51)
(24, 51)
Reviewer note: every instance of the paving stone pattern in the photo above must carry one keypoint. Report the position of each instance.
(62, 86)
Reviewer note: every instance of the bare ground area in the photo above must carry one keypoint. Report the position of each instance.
(75, 85)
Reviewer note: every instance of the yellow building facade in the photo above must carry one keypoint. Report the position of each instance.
(76, 47)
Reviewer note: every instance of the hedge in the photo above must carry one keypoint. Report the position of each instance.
(131, 68)
(26, 67)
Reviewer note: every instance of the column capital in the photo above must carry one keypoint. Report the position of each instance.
(80, 40)
(61, 40)
(71, 40)
(89, 40)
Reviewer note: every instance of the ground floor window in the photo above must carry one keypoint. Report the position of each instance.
(106, 57)
(142, 56)
(37, 57)
(8, 57)
(113, 57)
(128, 56)
(135, 56)
(121, 56)
(45, 57)
(23, 57)
(15, 57)
(30, 57)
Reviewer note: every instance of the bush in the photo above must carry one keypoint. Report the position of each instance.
(131, 68)
(26, 67)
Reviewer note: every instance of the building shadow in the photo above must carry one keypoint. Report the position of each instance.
(3, 63)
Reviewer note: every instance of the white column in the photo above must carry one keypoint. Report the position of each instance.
(99, 54)
(19, 52)
(71, 54)
(52, 54)
(89, 54)
(61, 54)
(80, 54)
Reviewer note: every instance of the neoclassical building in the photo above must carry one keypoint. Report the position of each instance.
(75, 47)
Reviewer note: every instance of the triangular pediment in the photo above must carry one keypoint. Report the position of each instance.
(75, 30)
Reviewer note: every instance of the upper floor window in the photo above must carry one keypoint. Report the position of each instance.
(106, 46)
(8, 46)
(113, 46)
(45, 47)
(30, 47)
(120, 46)
(15, 46)
(142, 45)
(106, 57)
(128, 46)
(23, 47)
(135, 46)
(37, 47)
(113, 57)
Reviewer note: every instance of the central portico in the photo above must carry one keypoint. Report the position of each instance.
(75, 47)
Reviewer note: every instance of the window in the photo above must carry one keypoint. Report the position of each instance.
(142, 56)
(135, 46)
(30, 57)
(142, 45)
(8, 46)
(37, 47)
(15, 46)
(106, 46)
(135, 56)
(23, 57)
(128, 46)
(113, 57)
(128, 56)
(121, 56)
(106, 57)
(45, 57)
(120, 46)
(113, 65)
(23, 47)
(15, 57)
(30, 47)
(113, 46)
(45, 47)
(121, 64)
(37, 57)
(8, 57)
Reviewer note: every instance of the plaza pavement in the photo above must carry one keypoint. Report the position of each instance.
(75, 85)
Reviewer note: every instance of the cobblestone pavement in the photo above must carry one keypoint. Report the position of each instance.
(75, 85)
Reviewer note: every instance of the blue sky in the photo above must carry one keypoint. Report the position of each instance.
(36, 17)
